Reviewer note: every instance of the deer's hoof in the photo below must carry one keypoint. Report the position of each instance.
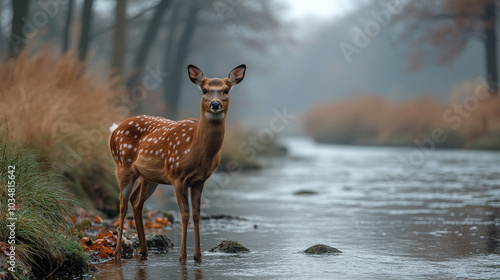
(118, 257)
(143, 256)
(197, 259)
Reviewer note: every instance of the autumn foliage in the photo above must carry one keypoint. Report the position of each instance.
(98, 237)
(54, 107)
(374, 120)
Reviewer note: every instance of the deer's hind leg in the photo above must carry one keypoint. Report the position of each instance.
(142, 192)
(126, 179)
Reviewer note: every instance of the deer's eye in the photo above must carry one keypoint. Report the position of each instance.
(205, 91)
(226, 91)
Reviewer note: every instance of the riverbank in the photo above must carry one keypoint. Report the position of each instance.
(36, 239)
(469, 121)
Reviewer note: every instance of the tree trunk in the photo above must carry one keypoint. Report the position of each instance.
(67, 27)
(86, 27)
(147, 42)
(119, 37)
(17, 37)
(173, 85)
(490, 43)
(1, 28)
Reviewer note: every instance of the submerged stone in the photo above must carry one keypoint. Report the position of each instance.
(320, 249)
(159, 242)
(227, 246)
(305, 192)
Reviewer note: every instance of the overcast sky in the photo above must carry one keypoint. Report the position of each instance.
(319, 8)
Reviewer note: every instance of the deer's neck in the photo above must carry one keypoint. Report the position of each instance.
(209, 137)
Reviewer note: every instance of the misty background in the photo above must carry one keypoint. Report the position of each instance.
(293, 51)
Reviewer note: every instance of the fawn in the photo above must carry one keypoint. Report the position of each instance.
(154, 150)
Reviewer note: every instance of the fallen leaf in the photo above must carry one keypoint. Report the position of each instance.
(162, 220)
(98, 220)
(100, 242)
(157, 225)
(87, 241)
(104, 234)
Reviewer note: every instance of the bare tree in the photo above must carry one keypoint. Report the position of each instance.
(172, 86)
(67, 26)
(447, 25)
(86, 27)
(119, 37)
(147, 41)
(17, 37)
(196, 25)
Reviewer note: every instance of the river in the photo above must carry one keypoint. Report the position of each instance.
(436, 219)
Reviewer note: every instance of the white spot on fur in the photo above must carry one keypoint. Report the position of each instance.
(113, 127)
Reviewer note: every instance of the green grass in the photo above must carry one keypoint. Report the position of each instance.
(43, 238)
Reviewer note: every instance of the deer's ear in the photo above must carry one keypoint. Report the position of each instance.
(195, 74)
(237, 75)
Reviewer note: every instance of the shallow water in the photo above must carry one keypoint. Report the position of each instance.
(439, 219)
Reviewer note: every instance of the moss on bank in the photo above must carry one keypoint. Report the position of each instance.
(39, 204)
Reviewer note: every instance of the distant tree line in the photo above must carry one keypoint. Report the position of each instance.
(184, 26)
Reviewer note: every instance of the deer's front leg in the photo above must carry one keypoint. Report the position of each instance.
(182, 201)
(195, 203)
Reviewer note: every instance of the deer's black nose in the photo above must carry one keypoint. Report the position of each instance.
(216, 105)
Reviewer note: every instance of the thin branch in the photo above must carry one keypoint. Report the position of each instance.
(131, 19)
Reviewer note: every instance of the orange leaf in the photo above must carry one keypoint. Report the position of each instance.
(162, 221)
(104, 234)
(132, 224)
(116, 224)
(100, 242)
(85, 239)
(107, 250)
(98, 220)
(147, 224)
(157, 225)
(103, 255)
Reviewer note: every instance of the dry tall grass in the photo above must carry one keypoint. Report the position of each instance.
(53, 106)
(468, 120)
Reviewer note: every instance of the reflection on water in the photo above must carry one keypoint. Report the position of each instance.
(439, 222)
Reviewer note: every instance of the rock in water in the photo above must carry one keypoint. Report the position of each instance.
(159, 243)
(227, 246)
(305, 192)
(320, 249)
